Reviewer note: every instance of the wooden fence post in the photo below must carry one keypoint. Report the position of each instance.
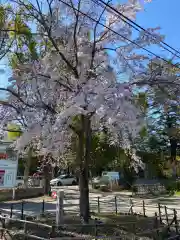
(156, 220)
(59, 208)
(156, 225)
(96, 230)
(3, 226)
(25, 229)
(134, 228)
(22, 210)
(98, 205)
(52, 232)
(144, 210)
(159, 209)
(167, 219)
(115, 201)
(43, 206)
(131, 206)
(11, 213)
(175, 221)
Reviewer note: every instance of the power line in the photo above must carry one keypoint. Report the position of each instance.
(115, 32)
(132, 23)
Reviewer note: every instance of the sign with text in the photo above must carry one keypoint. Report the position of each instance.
(3, 156)
(8, 165)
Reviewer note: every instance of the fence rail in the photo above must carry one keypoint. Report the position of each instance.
(114, 205)
(164, 218)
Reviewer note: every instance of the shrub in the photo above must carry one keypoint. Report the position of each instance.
(135, 189)
(104, 188)
(172, 186)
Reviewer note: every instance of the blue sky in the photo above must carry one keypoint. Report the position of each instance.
(162, 13)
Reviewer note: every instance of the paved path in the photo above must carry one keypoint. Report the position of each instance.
(107, 203)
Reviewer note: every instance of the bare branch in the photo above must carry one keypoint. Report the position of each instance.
(44, 106)
(42, 21)
(16, 95)
(94, 43)
(11, 106)
(154, 81)
(75, 30)
(8, 49)
(59, 82)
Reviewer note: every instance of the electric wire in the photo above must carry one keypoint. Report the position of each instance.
(133, 24)
(115, 32)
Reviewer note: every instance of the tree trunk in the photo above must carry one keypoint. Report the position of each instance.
(84, 157)
(47, 178)
(27, 167)
(173, 142)
(84, 195)
(47, 186)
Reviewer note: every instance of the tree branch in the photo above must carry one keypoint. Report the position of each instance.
(59, 82)
(48, 30)
(15, 131)
(75, 30)
(94, 43)
(49, 108)
(11, 106)
(16, 95)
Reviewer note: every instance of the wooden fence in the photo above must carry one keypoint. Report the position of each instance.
(165, 220)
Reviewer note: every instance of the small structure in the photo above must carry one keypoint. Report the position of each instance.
(8, 165)
(149, 186)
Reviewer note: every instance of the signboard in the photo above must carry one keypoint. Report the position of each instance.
(3, 156)
(8, 166)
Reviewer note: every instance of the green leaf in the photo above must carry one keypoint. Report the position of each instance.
(143, 132)
(2, 17)
(89, 35)
(142, 100)
(32, 49)
(13, 61)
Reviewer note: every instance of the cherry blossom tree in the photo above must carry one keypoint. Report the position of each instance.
(73, 85)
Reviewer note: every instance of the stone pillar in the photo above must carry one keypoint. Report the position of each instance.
(59, 208)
